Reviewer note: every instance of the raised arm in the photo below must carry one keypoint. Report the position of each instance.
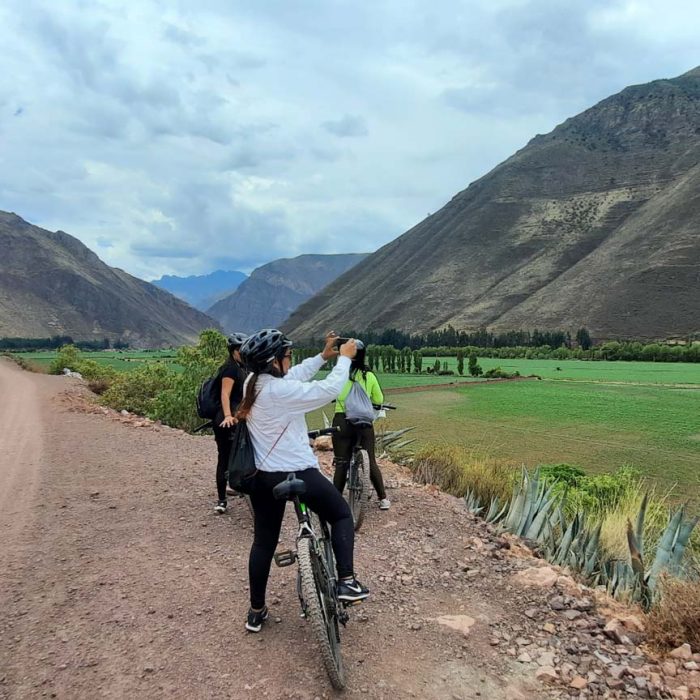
(297, 396)
(306, 370)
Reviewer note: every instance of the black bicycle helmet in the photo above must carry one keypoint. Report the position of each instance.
(261, 348)
(235, 340)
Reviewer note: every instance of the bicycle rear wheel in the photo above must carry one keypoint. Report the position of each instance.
(359, 487)
(321, 608)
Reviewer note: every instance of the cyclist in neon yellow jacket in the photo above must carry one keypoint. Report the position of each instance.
(346, 438)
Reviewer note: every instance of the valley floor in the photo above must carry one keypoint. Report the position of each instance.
(117, 580)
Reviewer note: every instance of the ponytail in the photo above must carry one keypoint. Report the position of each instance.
(249, 396)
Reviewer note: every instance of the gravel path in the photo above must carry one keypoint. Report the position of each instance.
(119, 581)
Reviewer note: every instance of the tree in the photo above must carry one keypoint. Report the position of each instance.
(474, 366)
(418, 361)
(460, 361)
(583, 338)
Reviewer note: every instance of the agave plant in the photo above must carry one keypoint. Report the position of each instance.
(391, 439)
(471, 501)
(669, 554)
(531, 506)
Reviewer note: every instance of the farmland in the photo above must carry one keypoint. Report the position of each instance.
(597, 415)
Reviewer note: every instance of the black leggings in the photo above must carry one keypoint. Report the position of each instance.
(323, 498)
(343, 442)
(223, 445)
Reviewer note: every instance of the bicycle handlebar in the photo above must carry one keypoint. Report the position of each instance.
(313, 434)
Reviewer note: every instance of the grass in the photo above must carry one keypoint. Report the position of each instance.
(583, 371)
(595, 426)
(120, 360)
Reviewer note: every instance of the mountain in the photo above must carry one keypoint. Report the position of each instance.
(274, 290)
(595, 224)
(201, 291)
(51, 284)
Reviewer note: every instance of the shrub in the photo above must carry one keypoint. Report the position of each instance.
(675, 619)
(498, 373)
(136, 390)
(69, 356)
(98, 377)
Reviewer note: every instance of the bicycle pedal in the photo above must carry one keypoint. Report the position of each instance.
(286, 558)
(349, 603)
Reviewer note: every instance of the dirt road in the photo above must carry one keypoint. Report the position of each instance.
(119, 581)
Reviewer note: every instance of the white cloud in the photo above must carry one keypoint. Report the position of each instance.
(183, 137)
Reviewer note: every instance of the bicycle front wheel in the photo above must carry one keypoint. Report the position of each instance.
(359, 487)
(320, 606)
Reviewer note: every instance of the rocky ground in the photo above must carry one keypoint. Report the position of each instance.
(118, 580)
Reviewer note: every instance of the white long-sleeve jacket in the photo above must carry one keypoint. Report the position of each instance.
(281, 403)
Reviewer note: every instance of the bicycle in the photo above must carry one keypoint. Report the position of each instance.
(316, 576)
(359, 486)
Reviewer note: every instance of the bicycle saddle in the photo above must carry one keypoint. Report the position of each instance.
(289, 488)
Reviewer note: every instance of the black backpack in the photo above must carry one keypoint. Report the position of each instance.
(209, 397)
(241, 463)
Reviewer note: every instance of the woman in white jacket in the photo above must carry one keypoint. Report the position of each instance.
(276, 397)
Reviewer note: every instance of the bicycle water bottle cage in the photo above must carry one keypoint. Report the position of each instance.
(289, 488)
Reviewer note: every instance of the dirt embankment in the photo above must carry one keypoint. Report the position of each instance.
(117, 580)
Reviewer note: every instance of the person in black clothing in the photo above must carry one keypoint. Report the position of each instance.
(232, 375)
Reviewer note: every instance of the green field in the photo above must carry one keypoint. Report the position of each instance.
(600, 371)
(119, 359)
(597, 415)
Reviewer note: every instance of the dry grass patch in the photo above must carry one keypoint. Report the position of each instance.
(675, 619)
(455, 470)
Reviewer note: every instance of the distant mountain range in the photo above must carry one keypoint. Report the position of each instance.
(274, 290)
(595, 224)
(201, 291)
(51, 284)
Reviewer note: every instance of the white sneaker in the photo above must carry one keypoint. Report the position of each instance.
(384, 504)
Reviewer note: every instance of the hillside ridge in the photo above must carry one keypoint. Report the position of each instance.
(608, 195)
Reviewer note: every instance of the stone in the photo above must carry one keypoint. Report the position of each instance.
(461, 623)
(691, 666)
(640, 682)
(681, 692)
(682, 652)
(617, 670)
(524, 658)
(584, 604)
(571, 614)
(669, 668)
(540, 576)
(614, 630)
(547, 674)
(546, 659)
(579, 683)
(631, 622)
(324, 443)
(549, 627)
(532, 613)
(557, 603)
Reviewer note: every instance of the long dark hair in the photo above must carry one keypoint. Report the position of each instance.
(358, 365)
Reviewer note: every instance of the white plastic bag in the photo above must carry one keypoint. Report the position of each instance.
(358, 407)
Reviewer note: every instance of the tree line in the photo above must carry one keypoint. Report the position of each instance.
(54, 342)
(388, 358)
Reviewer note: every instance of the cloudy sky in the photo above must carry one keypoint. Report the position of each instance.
(178, 137)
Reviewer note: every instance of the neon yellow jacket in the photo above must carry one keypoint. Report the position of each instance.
(370, 385)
